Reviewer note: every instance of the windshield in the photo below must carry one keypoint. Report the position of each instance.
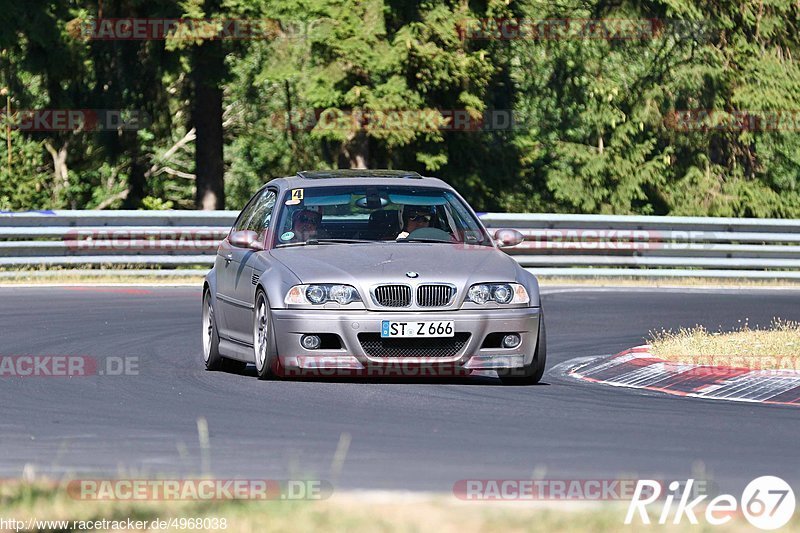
(369, 213)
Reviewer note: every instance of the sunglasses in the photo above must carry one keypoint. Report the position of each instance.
(420, 218)
(306, 219)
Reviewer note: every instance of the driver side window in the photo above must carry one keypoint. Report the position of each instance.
(258, 213)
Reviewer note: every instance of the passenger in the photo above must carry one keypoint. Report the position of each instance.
(414, 217)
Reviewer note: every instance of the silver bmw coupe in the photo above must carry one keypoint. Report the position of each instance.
(370, 273)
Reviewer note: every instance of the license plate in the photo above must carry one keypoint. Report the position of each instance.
(441, 328)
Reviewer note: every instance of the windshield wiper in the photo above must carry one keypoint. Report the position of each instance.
(313, 242)
(417, 239)
(336, 241)
(440, 241)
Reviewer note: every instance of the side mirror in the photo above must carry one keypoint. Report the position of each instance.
(508, 237)
(246, 239)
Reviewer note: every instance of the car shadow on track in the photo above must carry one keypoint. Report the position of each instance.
(483, 380)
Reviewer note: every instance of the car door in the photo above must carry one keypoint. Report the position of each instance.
(227, 266)
(242, 281)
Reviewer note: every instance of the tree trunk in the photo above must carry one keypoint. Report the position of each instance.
(355, 153)
(137, 180)
(60, 169)
(208, 72)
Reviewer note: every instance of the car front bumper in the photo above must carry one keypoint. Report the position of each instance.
(352, 359)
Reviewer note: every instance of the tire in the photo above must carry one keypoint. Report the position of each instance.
(211, 356)
(264, 350)
(532, 373)
(213, 360)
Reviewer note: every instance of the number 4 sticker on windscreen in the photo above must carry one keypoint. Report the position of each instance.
(296, 197)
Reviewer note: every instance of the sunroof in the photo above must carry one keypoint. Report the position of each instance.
(354, 173)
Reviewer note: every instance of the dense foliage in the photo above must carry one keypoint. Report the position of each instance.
(655, 107)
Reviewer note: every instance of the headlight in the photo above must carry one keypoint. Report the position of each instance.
(480, 294)
(342, 294)
(502, 293)
(320, 293)
(316, 294)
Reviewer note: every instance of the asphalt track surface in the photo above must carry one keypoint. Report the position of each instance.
(419, 436)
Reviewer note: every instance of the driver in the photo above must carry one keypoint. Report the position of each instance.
(304, 224)
(413, 218)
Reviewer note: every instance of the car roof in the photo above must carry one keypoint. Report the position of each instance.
(357, 173)
(330, 178)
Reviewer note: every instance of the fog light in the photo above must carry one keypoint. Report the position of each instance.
(311, 342)
(511, 340)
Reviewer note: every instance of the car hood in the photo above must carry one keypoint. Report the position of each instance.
(368, 264)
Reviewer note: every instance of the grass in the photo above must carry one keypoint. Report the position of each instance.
(634, 281)
(774, 347)
(117, 274)
(352, 512)
(118, 279)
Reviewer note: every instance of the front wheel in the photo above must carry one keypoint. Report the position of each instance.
(264, 351)
(531, 374)
(211, 356)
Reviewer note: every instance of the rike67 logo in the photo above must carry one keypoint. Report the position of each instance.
(767, 502)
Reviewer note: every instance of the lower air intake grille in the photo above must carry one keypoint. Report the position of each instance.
(376, 346)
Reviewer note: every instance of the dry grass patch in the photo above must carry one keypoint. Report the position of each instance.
(776, 347)
(350, 512)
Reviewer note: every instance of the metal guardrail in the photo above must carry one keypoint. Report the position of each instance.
(561, 245)
(122, 238)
